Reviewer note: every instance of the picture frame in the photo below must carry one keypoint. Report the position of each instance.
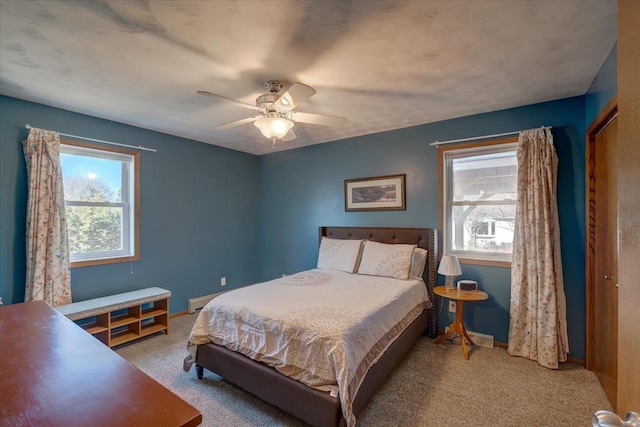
(380, 193)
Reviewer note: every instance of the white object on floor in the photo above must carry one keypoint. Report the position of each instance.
(609, 419)
(479, 339)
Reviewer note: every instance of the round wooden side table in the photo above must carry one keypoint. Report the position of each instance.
(458, 326)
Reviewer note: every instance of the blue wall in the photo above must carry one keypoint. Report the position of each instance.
(300, 190)
(194, 230)
(198, 213)
(603, 87)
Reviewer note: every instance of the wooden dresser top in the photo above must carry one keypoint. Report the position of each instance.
(54, 373)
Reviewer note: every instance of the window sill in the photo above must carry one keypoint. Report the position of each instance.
(485, 262)
(92, 262)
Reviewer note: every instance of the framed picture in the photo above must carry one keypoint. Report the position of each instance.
(380, 193)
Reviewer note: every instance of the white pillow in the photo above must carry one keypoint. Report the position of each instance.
(381, 259)
(418, 262)
(339, 254)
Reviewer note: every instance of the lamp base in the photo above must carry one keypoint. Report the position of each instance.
(448, 283)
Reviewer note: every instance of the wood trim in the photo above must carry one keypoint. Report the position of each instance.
(628, 154)
(488, 263)
(136, 207)
(576, 361)
(454, 147)
(485, 143)
(95, 146)
(179, 314)
(500, 344)
(608, 113)
(104, 261)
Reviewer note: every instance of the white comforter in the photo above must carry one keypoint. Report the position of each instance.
(324, 328)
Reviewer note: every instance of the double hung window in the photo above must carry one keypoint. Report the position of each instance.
(100, 185)
(478, 203)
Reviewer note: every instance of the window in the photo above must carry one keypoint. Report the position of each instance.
(478, 200)
(100, 186)
(487, 228)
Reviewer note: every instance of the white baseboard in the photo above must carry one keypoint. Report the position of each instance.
(482, 340)
(195, 304)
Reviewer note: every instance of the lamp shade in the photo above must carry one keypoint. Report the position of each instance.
(449, 266)
(273, 126)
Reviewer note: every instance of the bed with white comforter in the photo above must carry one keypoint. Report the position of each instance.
(325, 328)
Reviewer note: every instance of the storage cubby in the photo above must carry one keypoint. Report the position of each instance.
(115, 324)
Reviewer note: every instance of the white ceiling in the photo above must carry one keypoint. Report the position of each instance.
(382, 64)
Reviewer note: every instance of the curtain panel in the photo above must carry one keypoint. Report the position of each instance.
(538, 327)
(48, 274)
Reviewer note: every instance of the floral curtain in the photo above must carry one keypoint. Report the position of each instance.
(538, 327)
(48, 274)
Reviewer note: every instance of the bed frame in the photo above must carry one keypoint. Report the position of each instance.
(313, 406)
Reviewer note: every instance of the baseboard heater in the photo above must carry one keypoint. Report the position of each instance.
(479, 339)
(195, 304)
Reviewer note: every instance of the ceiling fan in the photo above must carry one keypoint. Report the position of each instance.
(277, 118)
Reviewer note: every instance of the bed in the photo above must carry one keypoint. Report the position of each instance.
(321, 405)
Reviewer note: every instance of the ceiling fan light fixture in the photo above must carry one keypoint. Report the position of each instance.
(274, 127)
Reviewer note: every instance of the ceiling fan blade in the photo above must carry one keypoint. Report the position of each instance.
(235, 123)
(294, 96)
(290, 136)
(320, 119)
(224, 98)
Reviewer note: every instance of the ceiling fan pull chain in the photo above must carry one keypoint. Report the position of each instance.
(273, 144)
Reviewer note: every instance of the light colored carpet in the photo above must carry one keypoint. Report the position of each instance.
(433, 386)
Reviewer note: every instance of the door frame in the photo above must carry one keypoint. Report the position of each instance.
(606, 116)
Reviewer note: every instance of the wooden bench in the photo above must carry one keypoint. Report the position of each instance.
(121, 318)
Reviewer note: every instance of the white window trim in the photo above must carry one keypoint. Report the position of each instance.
(491, 226)
(129, 200)
(447, 155)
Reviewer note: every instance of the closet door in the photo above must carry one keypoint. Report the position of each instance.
(605, 277)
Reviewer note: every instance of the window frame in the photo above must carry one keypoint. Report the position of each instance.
(134, 211)
(465, 257)
(491, 229)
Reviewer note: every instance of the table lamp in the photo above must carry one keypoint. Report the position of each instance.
(449, 266)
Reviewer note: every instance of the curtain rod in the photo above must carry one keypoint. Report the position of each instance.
(473, 138)
(139, 147)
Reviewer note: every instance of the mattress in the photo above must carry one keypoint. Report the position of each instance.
(324, 328)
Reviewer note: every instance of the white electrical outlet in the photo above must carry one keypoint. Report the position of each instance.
(223, 281)
(452, 306)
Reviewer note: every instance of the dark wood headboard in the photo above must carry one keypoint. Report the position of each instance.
(426, 238)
